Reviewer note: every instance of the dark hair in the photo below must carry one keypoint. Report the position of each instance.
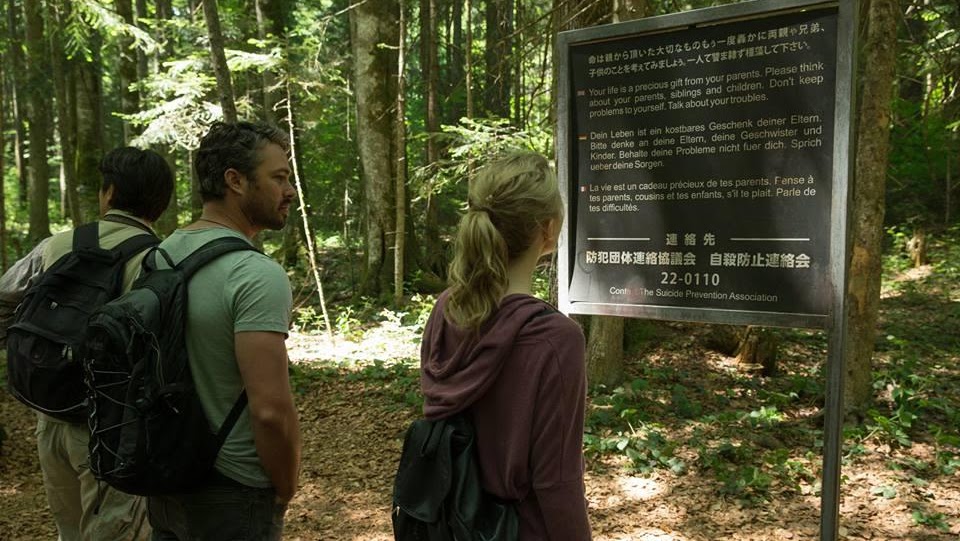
(508, 202)
(232, 146)
(142, 181)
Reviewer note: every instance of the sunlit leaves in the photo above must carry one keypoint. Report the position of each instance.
(88, 15)
(472, 141)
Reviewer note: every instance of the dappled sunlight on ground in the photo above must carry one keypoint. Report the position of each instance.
(383, 341)
(891, 287)
(640, 488)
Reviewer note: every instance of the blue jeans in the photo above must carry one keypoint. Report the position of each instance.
(223, 510)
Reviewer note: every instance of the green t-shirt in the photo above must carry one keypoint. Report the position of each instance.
(237, 292)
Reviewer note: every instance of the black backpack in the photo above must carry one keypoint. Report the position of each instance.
(148, 432)
(437, 494)
(44, 344)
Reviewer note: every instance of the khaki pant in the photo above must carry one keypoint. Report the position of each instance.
(83, 509)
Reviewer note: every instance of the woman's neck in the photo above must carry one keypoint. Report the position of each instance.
(520, 271)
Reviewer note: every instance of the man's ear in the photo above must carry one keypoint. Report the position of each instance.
(234, 181)
(106, 199)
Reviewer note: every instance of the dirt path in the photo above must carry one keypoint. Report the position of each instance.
(23, 503)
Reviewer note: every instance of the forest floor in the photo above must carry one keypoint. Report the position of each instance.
(692, 447)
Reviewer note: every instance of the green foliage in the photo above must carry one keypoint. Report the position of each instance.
(638, 334)
(616, 425)
(766, 416)
(86, 16)
(180, 113)
(924, 136)
(470, 144)
(682, 405)
(540, 286)
(304, 375)
(347, 324)
(887, 492)
(932, 519)
(731, 464)
(399, 381)
(307, 319)
(896, 259)
(418, 311)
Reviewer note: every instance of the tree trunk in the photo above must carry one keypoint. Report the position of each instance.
(873, 142)
(66, 128)
(400, 198)
(499, 25)
(433, 257)
(143, 64)
(89, 149)
(18, 101)
(268, 78)
(3, 165)
(374, 30)
(219, 61)
(456, 58)
(164, 12)
(758, 350)
(517, 74)
(127, 71)
(605, 351)
(39, 85)
(468, 59)
(948, 181)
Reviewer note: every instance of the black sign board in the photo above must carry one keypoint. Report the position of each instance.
(700, 170)
(705, 161)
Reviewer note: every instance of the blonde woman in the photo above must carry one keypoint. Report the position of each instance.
(507, 360)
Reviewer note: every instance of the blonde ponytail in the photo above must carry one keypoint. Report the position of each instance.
(509, 201)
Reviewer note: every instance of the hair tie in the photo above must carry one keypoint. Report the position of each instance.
(479, 208)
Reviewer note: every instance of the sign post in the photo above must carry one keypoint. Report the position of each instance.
(704, 158)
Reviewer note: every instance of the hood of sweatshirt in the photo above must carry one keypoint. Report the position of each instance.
(456, 369)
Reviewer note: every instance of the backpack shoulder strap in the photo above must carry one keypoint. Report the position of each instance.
(134, 245)
(121, 219)
(194, 262)
(231, 419)
(87, 236)
(210, 251)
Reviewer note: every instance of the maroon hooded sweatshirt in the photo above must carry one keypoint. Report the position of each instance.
(521, 380)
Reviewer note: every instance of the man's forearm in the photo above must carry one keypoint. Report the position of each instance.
(277, 437)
